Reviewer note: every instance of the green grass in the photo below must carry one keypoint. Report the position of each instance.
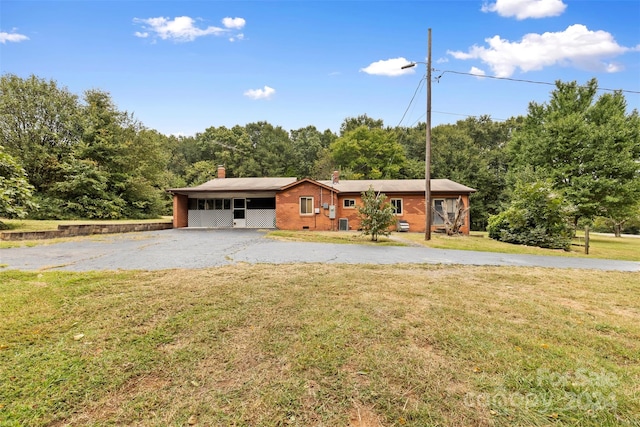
(333, 237)
(321, 345)
(601, 246)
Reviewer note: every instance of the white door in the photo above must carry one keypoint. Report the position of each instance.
(239, 213)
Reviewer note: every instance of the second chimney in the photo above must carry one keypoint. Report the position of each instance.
(336, 177)
(221, 172)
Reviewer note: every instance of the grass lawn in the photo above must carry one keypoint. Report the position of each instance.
(321, 345)
(601, 246)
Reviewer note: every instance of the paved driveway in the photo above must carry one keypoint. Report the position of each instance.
(200, 248)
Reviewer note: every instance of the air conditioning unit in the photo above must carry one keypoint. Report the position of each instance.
(343, 224)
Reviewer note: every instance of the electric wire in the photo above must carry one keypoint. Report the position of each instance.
(524, 80)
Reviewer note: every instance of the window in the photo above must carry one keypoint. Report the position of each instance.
(193, 204)
(443, 208)
(349, 203)
(306, 205)
(397, 206)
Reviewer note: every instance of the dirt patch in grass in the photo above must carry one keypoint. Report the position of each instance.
(364, 417)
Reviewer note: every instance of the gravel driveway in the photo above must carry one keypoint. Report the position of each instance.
(201, 248)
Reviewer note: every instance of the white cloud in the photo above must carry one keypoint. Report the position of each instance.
(236, 37)
(265, 93)
(12, 37)
(389, 67)
(577, 46)
(183, 28)
(523, 9)
(477, 72)
(235, 23)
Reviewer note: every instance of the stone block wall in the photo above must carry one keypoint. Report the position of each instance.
(84, 230)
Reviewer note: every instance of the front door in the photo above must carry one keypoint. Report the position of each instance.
(239, 213)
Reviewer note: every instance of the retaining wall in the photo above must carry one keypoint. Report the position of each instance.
(84, 230)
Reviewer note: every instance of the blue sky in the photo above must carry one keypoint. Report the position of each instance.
(183, 66)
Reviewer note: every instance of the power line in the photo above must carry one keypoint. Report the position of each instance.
(524, 80)
(412, 99)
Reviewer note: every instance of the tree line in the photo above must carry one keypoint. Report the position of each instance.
(69, 156)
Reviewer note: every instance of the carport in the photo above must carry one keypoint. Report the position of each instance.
(228, 202)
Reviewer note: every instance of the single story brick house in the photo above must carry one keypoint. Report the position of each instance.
(288, 203)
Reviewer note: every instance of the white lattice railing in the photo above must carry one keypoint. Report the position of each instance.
(256, 218)
(261, 218)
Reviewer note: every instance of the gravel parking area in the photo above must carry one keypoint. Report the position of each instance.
(202, 248)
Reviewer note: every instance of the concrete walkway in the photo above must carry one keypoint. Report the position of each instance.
(202, 248)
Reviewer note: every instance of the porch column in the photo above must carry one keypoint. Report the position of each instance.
(180, 210)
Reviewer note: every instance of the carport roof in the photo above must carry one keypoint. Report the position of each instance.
(238, 184)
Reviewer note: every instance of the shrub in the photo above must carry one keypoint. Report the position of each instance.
(537, 216)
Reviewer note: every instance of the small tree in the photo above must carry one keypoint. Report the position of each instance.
(537, 216)
(376, 214)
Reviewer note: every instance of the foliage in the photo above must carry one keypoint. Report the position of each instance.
(470, 151)
(352, 123)
(628, 226)
(78, 149)
(83, 160)
(369, 153)
(15, 190)
(39, 125)
(589, 147)
(376, 214)
(537, 216)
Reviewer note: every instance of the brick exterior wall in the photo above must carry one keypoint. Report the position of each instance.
(288, 215)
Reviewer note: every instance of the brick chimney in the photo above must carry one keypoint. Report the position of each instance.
(221, 172)
(336, 177)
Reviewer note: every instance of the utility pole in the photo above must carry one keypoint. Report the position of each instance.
(427, 157)
(427, 153)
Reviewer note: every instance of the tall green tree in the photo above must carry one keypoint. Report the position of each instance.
(470, 151)
(39, 125)
(272, 150)
(352, 123)
(369, 153)
(15, 191)
(308, 145)
(588, 146)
